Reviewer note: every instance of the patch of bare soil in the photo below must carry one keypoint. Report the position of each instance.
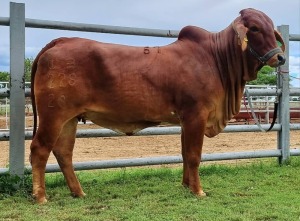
(90, 149)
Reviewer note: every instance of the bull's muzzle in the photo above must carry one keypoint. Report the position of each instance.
(281, 59)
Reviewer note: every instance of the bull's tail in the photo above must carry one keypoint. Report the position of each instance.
(33, 71)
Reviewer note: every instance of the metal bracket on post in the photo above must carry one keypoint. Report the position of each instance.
(17, 90)
(283, 136)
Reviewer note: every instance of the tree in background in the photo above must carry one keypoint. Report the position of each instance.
(28, 65)
(4, 75)
(266, 76)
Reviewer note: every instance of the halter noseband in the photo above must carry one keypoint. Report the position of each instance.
(267, 56)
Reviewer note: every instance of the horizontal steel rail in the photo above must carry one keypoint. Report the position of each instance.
(147, 161)
(71, 26)
(4, 21)
(294, 37)
(87, 133)
(294, 92)
(4, 92)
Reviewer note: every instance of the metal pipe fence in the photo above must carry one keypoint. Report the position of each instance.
(150, 161)
(17, 93)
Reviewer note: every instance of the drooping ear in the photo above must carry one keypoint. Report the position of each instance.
(241, 31)
(280, 41)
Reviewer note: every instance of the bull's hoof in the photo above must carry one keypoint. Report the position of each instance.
(201, 194)
(78, 195)
(40, 200)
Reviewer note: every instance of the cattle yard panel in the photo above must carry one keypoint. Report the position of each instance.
(17, 93)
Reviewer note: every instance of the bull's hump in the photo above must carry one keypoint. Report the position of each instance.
(193, 33)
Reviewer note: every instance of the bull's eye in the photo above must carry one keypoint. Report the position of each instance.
(254, 29)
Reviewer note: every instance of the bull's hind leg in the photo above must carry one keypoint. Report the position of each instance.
(63, 151)
(41, 146)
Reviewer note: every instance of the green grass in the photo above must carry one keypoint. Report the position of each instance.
(259, 191)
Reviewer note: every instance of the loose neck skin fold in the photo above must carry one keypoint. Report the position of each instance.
(234, 68)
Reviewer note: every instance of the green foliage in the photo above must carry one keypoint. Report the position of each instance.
(266, 76)
(28, 65)
(12, 184)
(4, 76)
(258, 191)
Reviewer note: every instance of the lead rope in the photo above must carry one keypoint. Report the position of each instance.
(275, 110)
(254, 115)
(252, 111)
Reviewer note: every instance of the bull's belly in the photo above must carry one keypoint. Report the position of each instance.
(131, 125)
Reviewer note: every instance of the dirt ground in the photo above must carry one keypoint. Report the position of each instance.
(91, 149)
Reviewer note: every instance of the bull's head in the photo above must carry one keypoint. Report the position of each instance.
(257, 35)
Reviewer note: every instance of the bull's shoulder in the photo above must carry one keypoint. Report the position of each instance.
(193, 33)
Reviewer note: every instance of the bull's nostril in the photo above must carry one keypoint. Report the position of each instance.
(281, 59)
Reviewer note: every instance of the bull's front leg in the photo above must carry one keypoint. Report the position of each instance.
(192, 140)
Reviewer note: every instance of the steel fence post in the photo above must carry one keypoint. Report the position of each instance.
(283, 136)
(17, 90)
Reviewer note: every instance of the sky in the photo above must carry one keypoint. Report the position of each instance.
(212, 15)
